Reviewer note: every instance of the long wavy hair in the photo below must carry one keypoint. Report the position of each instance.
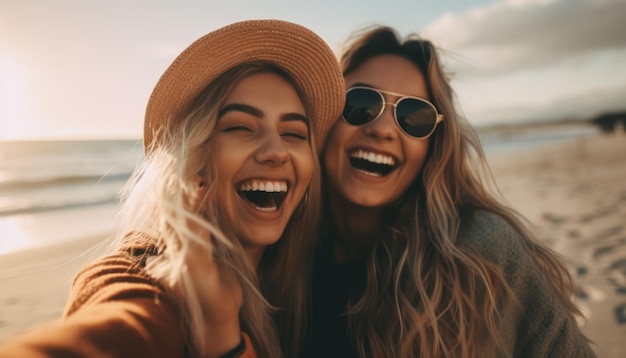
(157, 201)
(427, 296)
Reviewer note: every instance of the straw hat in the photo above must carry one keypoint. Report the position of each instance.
(293, 48)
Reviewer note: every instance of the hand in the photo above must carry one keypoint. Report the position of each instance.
(220, 295)
(218, 290)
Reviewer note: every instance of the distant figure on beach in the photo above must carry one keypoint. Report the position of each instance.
(218, 222)
(418, 256)
(610, 122)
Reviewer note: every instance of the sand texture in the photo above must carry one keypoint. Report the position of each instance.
(575, 196)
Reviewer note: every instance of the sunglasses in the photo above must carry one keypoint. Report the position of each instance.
(415, 116)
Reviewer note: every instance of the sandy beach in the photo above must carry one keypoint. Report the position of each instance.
(573, 193)
(575, 196)
(35, 283)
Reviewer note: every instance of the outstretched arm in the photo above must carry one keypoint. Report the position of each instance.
(114, 309)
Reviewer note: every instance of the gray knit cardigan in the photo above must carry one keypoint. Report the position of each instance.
(539, 326)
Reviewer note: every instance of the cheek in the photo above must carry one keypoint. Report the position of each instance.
(418, 153)
(335, 145)
(304, 164)
(222, 166)
(226, 166)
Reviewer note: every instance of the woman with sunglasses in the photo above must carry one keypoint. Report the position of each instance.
(217, 224)
(418, 257)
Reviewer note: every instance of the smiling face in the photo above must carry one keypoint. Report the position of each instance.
(263, 158)
(372, 165)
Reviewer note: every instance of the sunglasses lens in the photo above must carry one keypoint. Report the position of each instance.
(362, 106)
(417, 118)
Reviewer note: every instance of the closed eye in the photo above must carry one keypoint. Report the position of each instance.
(296, 135)
(239, 127)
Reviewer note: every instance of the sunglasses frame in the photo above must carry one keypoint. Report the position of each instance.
(401, 97)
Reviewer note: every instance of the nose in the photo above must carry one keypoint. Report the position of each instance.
(383, 127)
(272, 150)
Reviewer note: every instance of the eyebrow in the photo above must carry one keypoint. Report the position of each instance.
(362, 84)
(253, 111)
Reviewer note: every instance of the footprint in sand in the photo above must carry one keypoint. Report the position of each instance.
(618, 267)
(617, 278)
(620, 313)
(591, 293)
(619, 264)
(574, 234)
(615, 230)
(11, 301)
(603, 250)
(553, 218)
(597, 214)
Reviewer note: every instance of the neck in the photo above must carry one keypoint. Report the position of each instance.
(358, 228)
(254, 254)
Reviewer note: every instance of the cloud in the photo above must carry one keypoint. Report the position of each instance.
(585, 106)
(514, 35)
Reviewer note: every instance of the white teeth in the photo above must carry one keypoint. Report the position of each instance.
(266, 186)
(373, 157)
(370, 173)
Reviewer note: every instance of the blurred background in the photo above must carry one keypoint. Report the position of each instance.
(79, 74)
(75, 77)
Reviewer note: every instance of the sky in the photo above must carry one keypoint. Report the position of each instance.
(75, 69)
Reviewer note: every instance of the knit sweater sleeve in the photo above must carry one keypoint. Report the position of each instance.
(534, 323)
(115, 309)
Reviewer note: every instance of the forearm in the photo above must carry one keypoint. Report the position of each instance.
(109, 330)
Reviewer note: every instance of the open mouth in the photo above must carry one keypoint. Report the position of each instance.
(374, 164)
(263, 194)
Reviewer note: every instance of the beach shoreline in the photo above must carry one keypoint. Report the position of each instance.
(573, 193)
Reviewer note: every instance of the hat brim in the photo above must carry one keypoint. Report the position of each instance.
(293, 48)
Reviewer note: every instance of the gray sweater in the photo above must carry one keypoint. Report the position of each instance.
(539, 326)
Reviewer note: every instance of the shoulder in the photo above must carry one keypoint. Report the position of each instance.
(481, 222)
(492, 236)
(120, 274)
(537, 321)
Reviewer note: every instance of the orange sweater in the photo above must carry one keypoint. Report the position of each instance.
(114, 310)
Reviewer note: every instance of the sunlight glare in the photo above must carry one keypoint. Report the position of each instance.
(14, 116)
(15, 236)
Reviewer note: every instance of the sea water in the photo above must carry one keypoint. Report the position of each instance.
(53, 191)
(516, 138)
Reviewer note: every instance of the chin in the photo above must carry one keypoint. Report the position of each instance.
(262, 237)
(366, 199)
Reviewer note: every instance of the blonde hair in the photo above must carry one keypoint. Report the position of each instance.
(157, 202)
(444, 296)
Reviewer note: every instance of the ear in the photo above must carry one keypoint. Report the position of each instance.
(202, 189)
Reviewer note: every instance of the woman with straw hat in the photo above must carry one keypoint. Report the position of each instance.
(217, 223)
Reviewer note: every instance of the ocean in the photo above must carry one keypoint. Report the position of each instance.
(53, 191)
